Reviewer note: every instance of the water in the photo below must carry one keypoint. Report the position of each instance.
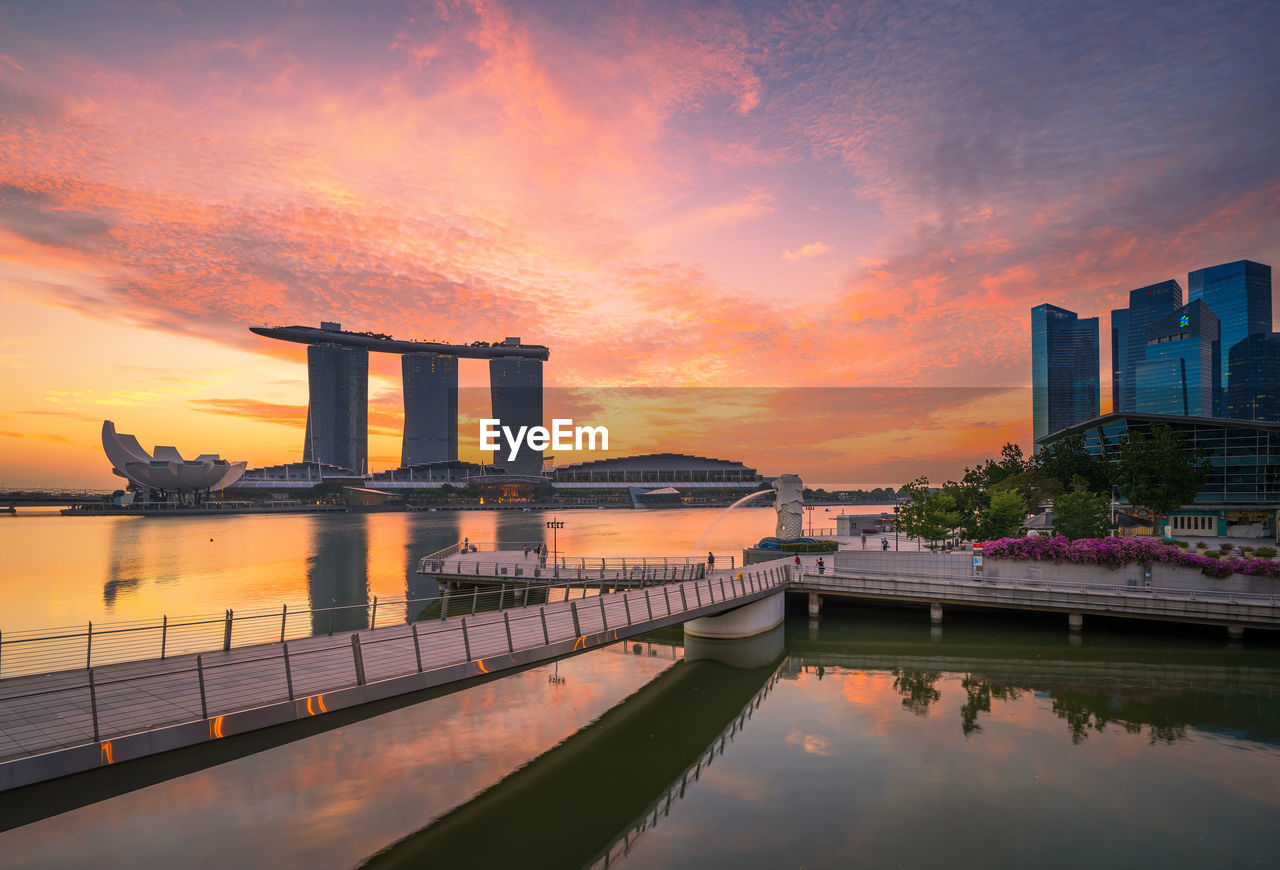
(861, 740)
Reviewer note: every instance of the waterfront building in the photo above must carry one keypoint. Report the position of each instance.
(657, 471)
(1239, 293)
(430, 408)
(1180, 372)
(515, 385)
(1253, 378)
(1129, 327)
(1064, 368)
(164, 470)
(338, 406)
(1242, 493)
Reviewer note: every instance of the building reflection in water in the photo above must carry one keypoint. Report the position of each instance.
(429, 532)
(338, 574)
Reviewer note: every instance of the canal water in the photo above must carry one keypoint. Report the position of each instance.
(864, 739)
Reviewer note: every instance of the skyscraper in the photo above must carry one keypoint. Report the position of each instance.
(1253, 381)
(515, 387)
(338, 406)
(1239, 294)
(1064, 369)
(1129, 337)
(430, 408)
(1180, 373)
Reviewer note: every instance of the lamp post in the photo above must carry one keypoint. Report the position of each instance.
(555, 526)
(895, 528)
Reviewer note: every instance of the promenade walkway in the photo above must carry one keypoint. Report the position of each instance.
(52, 724)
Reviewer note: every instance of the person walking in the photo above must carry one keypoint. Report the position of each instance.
(822, 566)
(711, 561)
(797, 561)
(864, 542)
(884, 543)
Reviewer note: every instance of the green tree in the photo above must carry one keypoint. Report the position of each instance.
(1158, 472)
(1034, 486)
(1068, 458)
(1003, 516)
(1080, 513)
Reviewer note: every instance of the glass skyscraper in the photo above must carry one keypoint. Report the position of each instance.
(430, 408)
(1239, 294)
(1129, 337)
(1180, 373)
(1253, 380)
(1064, 369)
(338, 406)
(515, 389)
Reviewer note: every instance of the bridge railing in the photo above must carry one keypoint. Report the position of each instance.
(93, 703)
(636, 572)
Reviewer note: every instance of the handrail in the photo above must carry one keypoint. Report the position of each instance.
(473, 637)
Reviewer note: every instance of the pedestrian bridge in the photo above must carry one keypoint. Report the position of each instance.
(149, 691)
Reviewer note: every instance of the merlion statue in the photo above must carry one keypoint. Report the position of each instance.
(790, 506)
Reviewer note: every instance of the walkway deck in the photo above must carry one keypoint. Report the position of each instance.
(67, 721)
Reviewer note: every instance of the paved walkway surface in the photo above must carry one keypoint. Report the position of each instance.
(44, 712)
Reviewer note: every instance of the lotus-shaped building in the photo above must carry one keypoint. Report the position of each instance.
(166, 470)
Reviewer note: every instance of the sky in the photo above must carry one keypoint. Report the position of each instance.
(861, 199)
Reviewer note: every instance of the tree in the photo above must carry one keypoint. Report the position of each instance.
(1158, 472)
(1080, 513)
(1003, 517)
(1068, 458)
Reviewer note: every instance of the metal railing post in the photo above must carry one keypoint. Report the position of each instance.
(284, 618)
(373, 618)
(626, 607)
(546, 636)
(723, 596)
(475, 600)
(684, 599)
(466, 640)
(444, 603)
(226, 634)
(357, 658)
(506, 621)
(577, 628)
(1, 652)
(88, 649)
(648, 602)
(502, 594)
(93, 704)
(604, 619)
(697, 592)
(288, 671)
(204, 704)
(164, 634)
(332, 604)
(417, 647)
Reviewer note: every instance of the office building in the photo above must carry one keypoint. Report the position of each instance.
(430, 383)
(1129, 337)
(1253, 378)
(1239, 294)
(1180, 372)
(1064, 369)
(338, 406)
(515, 388)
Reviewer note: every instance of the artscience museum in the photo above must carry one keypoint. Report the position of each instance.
(164, 470)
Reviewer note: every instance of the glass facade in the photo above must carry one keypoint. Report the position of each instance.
(1239, 294)
(1180, 373)
(1244, 459)
(1253, 378)
(515, 385)
(430, 408)
(338, 406)
(1147, 305)
(1064, 369)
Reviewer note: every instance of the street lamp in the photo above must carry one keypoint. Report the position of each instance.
(895, 528)
(555, 526)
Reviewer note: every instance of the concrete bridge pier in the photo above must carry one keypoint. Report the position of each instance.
(935, 613)
(815, 605)
(745, 621)
(1235, 632)
(1075, 621)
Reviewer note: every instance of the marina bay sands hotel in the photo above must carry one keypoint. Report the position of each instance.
(338, 406)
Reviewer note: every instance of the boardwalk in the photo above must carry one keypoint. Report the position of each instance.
(58, 723)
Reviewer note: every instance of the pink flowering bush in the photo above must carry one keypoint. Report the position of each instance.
(1118, 552)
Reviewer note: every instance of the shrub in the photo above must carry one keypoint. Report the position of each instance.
(1201, 545)
(1118, 552)
(812, 547)
(1225, 546)
(1248, 551)
(1181, 544)
(1265, 552)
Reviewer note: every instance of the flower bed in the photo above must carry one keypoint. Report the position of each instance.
(1118, 552)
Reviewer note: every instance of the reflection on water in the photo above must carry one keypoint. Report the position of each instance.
(338, 574)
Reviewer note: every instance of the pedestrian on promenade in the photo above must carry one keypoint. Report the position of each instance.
(864, 542)
(884, 543)
(711, 561)
(822, 566)
(797, 561)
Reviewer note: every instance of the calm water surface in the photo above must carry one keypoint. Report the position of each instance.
(864, 740)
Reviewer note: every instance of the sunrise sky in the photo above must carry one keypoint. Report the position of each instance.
(720, 195)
